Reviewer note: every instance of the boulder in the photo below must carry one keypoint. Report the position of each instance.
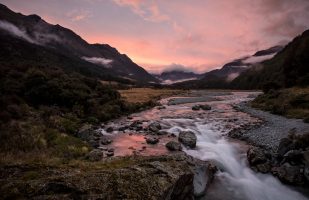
(110, 129)
(152, 140)
(161, 107)
(95, 155)
(105, 141)
(162, 132)
(196, 107)
(154, 127)
(293, 157)
(256, 156)
(173, 146)
(289, 174)
(136, 123)
(203, 176)
(188, 138)
(285, 145)
(205, 107)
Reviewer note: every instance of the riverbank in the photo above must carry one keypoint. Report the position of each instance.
(271, 131)
(280, 147)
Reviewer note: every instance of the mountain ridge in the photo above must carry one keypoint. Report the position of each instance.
(69, 43)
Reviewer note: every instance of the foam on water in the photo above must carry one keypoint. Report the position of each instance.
(235, 175)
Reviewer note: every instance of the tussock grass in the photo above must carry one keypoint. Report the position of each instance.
(142, 95)
(290, 102)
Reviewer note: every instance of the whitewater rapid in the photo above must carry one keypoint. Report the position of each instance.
(234, 180)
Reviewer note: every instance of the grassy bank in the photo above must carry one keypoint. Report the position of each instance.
(144, 95)
(290, 102)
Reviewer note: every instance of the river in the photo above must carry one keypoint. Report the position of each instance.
(234, 180)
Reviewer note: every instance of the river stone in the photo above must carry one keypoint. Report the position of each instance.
(196, 107)
(154, 127)
(173, 146)
(95, 155)
(105, 141)
(256, 156)
(162, 133)
(205, 107)
(289, 174)
(109, 129)
(152, 140)
(293, 156)
(188, 138)
(285, 145)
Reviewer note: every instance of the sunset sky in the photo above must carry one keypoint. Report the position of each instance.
(198, 35)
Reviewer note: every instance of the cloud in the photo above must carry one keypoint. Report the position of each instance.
(78, 15)
(100, 61)
(232, 76)
(146, 9)
(177, 67)
(258, 59)
(37, 37)
(14, 30)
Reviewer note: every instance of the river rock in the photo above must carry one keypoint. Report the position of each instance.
(154, 127)
(289, 174)
(285, 145)
(256, 156)
(161, 107)
(188, 138)
(173, 146)
(95, 155)
(205, 107)
(109, 153)
(110, 129)
(196, 107)
(293, 157)
(161, 132)
(152, 140)
(203, 176)
(105, 141)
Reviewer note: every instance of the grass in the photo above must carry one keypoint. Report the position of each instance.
(143, 95)
(290, 102)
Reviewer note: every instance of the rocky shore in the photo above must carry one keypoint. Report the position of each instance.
(280, 146)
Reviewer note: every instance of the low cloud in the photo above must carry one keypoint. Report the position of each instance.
(100, 61)
(258, 59)
(232, 76)
(14, 30)
(177, 67)
(39, 38)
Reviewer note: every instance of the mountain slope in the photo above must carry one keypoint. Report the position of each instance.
(174, 76)
(36, 31)
(222, 78)
(290, 67)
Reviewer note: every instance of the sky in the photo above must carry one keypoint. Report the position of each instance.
(194, 35)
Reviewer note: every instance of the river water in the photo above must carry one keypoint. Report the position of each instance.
(234, 180)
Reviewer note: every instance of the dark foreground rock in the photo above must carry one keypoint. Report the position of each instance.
(173, 146)
(289, 163)
(187, 138)
(162, 177)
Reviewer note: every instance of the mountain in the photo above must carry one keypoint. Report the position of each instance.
(290, 67)
(222, 78)
(175, 76)
(59, 40)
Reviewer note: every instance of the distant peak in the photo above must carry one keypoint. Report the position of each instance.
(34, 17)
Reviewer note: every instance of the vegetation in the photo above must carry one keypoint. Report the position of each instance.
(290, 102)
(144, 95)
(288, 68)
